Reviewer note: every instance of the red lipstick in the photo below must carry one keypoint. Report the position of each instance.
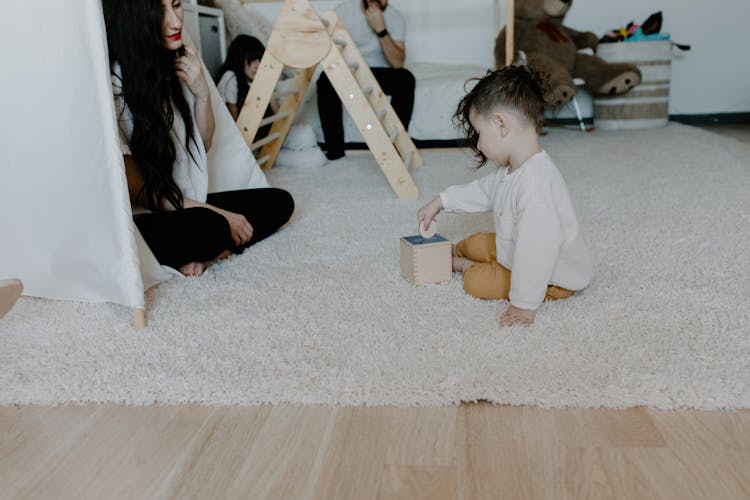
(176, 37)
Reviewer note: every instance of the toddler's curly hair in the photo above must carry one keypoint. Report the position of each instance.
(513, 88)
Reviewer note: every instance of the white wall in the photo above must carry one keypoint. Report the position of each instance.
(714, 77)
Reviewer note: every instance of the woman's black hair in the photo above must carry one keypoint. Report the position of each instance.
(149, 87)
(514, 88)
(244, 49)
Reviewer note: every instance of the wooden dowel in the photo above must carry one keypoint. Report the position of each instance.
(273, 118)
(510, 21)
(283, 93)
(394, 134)
(139, 319)
(265, 141)
(497, 17)
(264, 159)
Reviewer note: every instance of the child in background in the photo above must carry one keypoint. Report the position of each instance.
(237, 74)
(300, 148)
(536, 252)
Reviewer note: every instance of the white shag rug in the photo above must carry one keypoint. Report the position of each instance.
(320, 314)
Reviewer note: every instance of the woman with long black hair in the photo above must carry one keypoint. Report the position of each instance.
(166, 126)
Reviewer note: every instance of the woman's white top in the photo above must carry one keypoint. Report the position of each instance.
(228, 87)
(536, 232)
(190, 170)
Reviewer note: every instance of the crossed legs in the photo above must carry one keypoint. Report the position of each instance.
(484, 277)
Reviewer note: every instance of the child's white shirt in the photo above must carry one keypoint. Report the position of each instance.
(227, 87)
(536, 231)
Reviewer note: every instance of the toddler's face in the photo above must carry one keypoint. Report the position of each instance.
(491, 143)
(251, 69)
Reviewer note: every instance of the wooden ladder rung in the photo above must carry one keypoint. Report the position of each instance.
(393, 134)
(407, 158)
(284, 93)
(340, 42)
(273, 118)
(265, 141)
(264, 159)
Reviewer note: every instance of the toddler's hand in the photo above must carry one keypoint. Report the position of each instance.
(428, 212)
(516, 316)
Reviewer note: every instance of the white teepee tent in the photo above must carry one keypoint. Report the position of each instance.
(65, 220)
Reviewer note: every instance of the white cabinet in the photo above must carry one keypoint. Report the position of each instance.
(205, 26)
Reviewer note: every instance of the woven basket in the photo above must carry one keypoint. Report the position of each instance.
(646, 105)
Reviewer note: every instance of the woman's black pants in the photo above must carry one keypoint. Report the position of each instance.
(200, 235)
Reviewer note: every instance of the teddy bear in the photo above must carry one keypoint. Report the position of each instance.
(551, 48)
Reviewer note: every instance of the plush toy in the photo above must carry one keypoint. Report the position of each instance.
(551, 48)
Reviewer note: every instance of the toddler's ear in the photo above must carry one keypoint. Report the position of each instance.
(500, 121)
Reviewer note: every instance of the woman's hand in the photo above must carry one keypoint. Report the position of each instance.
(428, 212)
(241, 229)
(189, 68)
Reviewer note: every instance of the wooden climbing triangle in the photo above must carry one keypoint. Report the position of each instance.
(302, 40)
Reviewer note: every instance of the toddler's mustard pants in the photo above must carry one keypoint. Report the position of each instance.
(487, 279)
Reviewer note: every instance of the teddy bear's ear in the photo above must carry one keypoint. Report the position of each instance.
(532, 10)
(556, 8)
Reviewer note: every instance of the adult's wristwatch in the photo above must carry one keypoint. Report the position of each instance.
(381, 34)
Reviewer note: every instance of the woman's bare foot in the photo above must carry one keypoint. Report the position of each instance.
(461, 264)
(192, 269)
(222, 255)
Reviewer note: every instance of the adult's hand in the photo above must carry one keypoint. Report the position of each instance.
(375, 17)
(189, 68)
(241, 229)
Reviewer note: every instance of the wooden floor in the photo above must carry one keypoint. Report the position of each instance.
(472, 451)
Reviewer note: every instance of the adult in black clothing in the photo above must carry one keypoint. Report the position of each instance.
(379, 32)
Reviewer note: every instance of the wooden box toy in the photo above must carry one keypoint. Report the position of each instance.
(426, 260)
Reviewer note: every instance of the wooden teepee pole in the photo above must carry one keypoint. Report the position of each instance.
(510, 19)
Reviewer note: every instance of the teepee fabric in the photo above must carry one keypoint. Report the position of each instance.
(65, 218)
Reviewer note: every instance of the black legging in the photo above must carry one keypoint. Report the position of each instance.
(200, 235)
(397, 83)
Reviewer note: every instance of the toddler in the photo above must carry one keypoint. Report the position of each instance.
(300, 147)
(536, 252)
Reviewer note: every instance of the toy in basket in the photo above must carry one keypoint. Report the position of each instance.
(426, 257)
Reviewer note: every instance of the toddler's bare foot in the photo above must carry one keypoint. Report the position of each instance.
(192, 269)
(461, 264)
